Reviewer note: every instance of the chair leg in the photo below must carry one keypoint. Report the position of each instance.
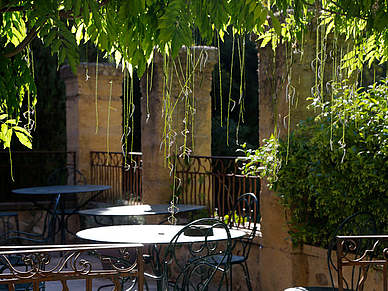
(231, 278)
(247, 278)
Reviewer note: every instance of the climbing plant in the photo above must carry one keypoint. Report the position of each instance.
(332, 166)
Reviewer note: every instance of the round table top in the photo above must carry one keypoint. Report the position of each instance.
(144, 209)
(63, 189)
(148, 234)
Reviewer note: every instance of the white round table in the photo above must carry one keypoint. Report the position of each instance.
(144, 209)
(148, 234)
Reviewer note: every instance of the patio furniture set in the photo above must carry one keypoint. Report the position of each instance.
(213, 245)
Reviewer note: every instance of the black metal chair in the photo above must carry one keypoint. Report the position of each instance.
(361, 223)
(46, 236)
(245, 216)
(68, 176)
(199, 268)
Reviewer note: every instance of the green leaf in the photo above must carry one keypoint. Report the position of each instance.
(266, 39)
(61, 56)
(77, 7)
(86, 13)
(103, 41)
(50, 37)
(45, 29)
(55, 46)
(276, 25)
(96, 15)
(23, 136)
(257, 12)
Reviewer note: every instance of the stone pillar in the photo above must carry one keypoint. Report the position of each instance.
(282, 265)
(157, 180)
(88, 128)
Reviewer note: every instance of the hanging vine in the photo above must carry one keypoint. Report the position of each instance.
(133, 32)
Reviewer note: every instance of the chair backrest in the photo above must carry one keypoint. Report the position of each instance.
(362, 223)
(245, 215)
(207, 262)
(348, 245)
(66, 176)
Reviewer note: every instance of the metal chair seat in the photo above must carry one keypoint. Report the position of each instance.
(235, 259)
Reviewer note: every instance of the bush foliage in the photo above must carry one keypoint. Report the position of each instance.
(332, 166)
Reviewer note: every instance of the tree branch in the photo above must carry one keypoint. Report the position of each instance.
(30, 36)
(12, 9)
(333, 12)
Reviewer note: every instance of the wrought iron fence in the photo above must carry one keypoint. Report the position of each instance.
(109, 169)
(29, 169)
(30, 267)
(213, 181)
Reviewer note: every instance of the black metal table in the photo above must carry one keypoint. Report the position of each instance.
(63, 190)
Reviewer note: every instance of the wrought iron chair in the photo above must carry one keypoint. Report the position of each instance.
(68, 176)
(361, 223)
(244, 215)
(47, 234)
(196, 269)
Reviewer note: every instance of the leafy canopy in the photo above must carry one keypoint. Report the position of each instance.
(132, 30)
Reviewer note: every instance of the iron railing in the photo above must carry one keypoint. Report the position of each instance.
(109, 169)
(29, 267)
(24, 169)
(213, 181)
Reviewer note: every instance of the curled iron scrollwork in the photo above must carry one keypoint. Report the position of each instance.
(41, 263)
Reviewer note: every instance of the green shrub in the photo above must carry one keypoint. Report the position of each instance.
(332, 166)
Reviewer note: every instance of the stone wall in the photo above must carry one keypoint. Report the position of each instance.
(93, 113)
